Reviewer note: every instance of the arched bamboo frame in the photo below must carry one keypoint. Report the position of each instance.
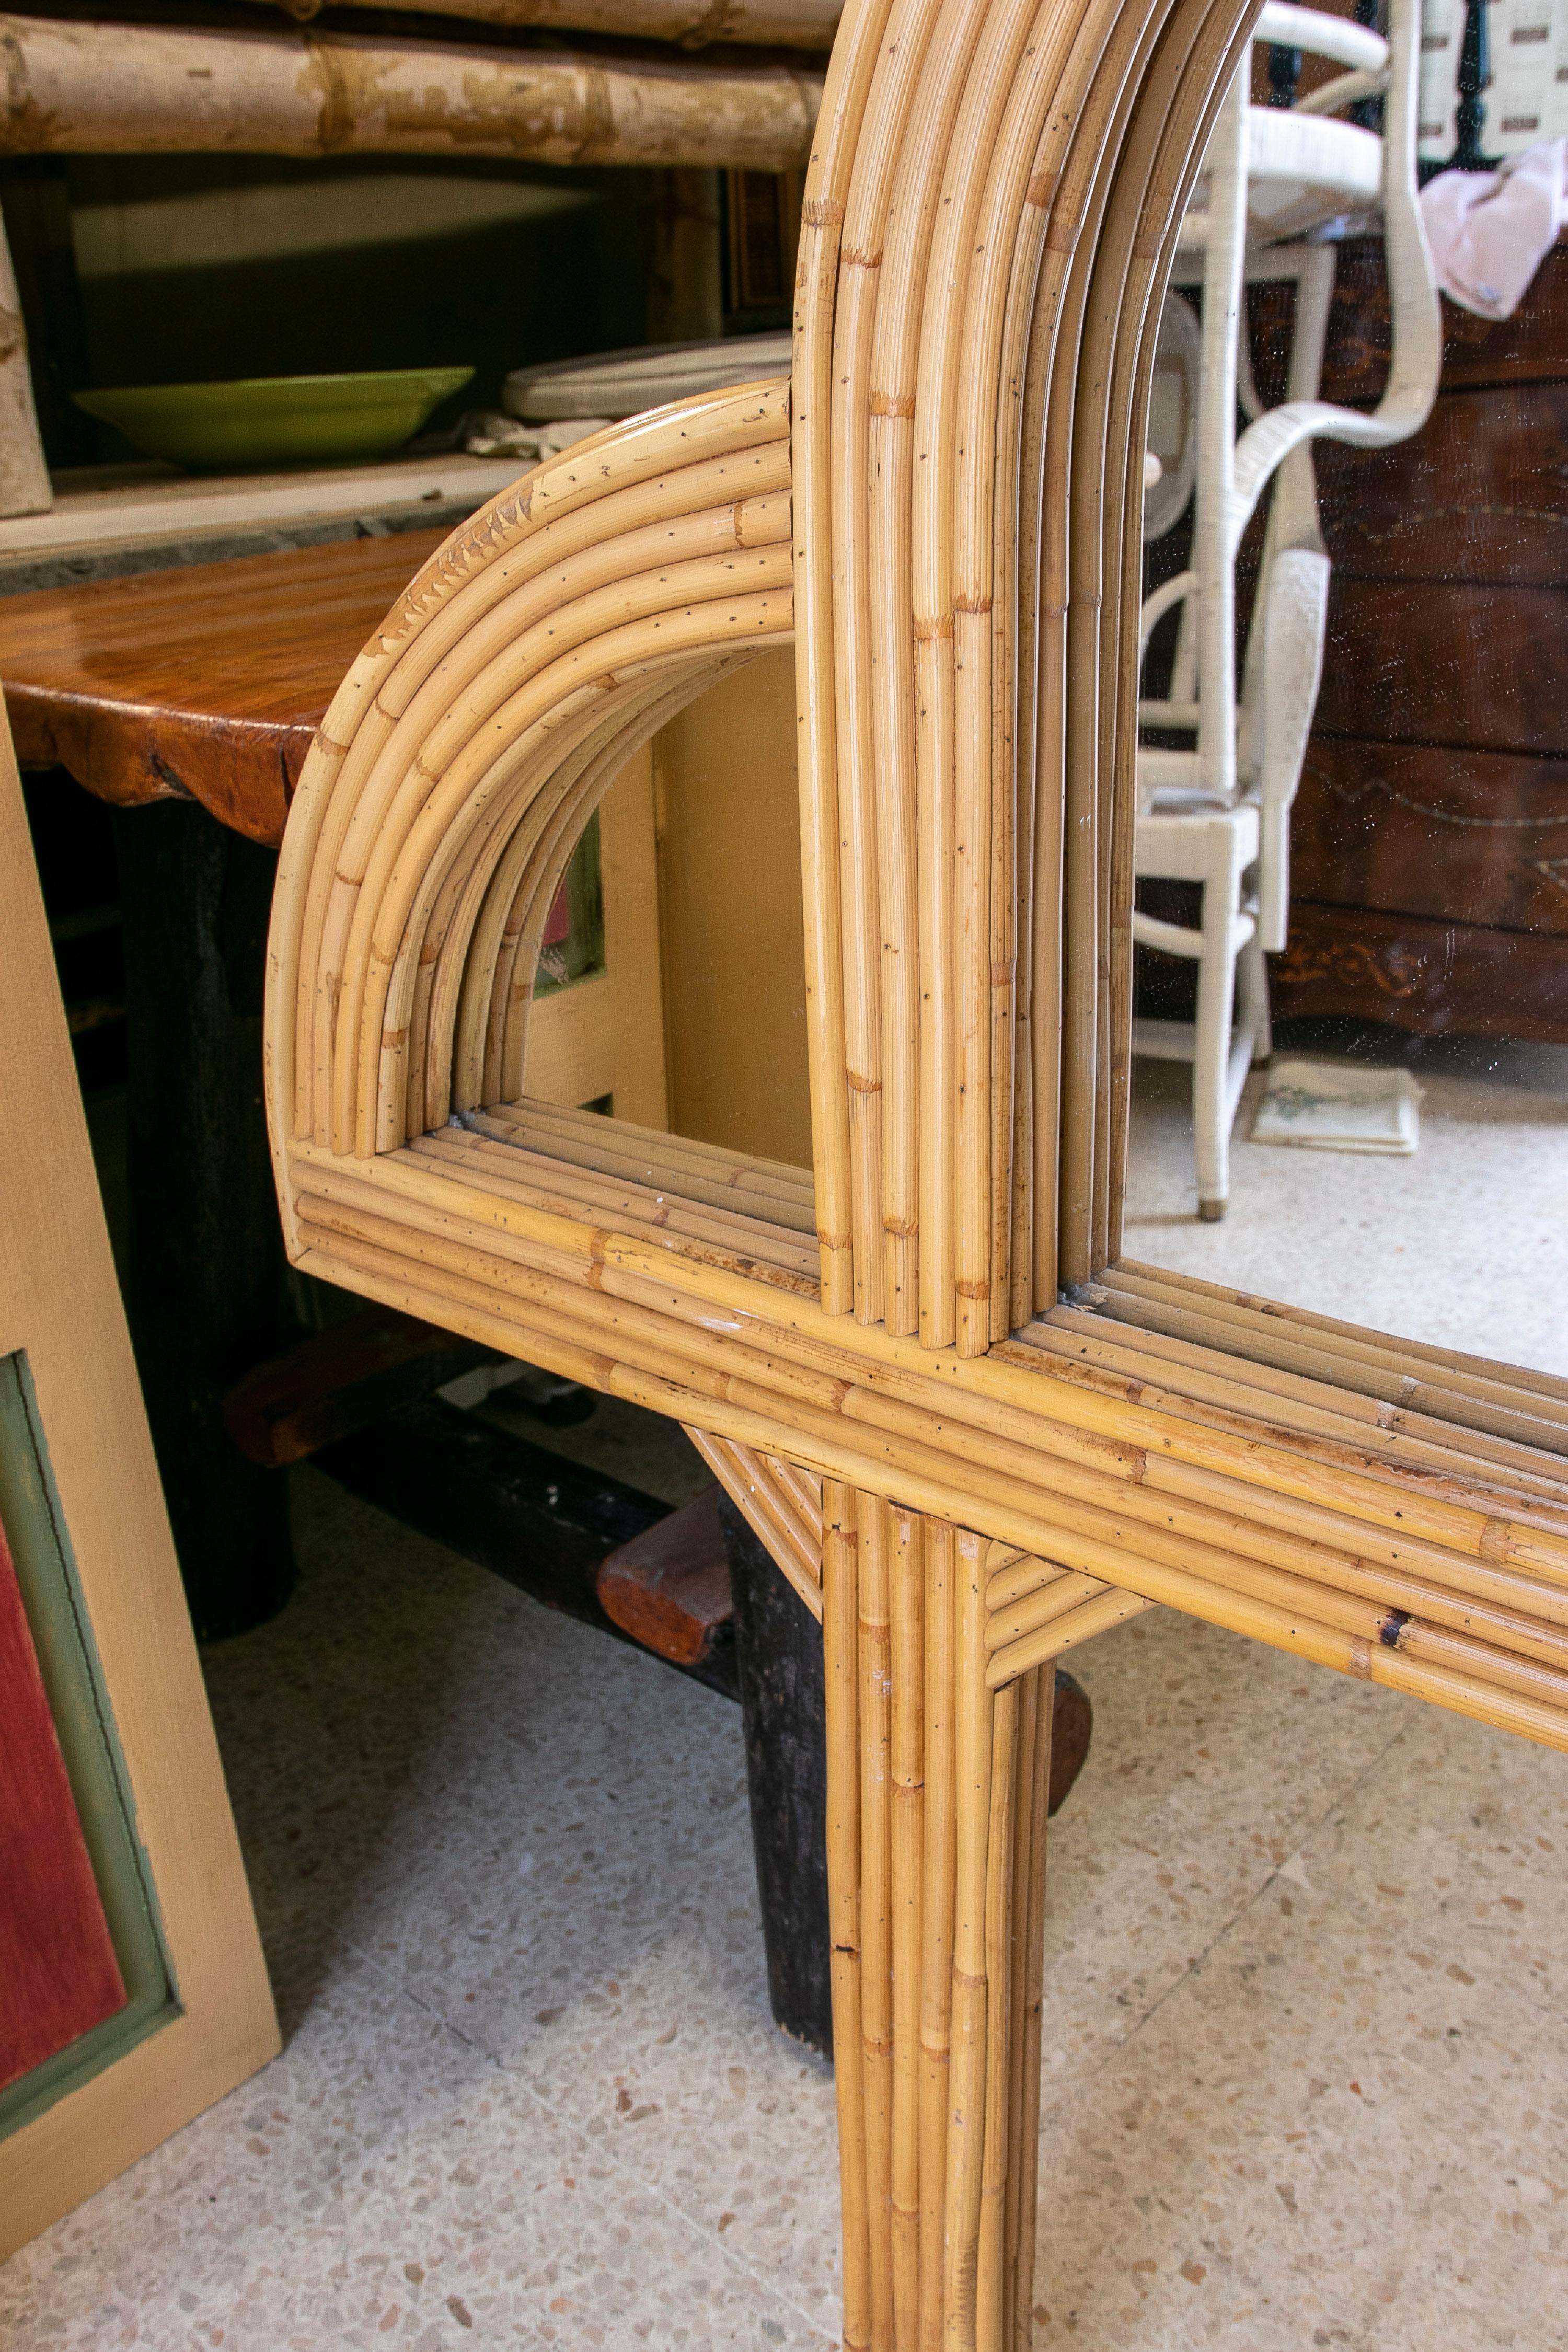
(471, 740)
(972, 1437)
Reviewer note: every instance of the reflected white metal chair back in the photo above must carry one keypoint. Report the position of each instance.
(1217, 813)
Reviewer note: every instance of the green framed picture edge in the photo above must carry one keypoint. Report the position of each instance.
(46, 1569)
(284, 420)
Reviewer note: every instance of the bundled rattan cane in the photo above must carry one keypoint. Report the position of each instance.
(968, 1469)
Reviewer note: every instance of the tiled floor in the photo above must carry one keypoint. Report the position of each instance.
(1465, 1244)
(1307, 2030)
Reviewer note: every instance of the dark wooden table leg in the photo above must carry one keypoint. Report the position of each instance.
(207, 1280)
(779, 1656)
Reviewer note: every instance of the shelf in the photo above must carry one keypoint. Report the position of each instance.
(104, 514)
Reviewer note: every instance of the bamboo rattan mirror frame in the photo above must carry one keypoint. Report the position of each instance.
(964, 1476)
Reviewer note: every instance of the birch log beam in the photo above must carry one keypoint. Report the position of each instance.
(23, 476)
(104, 89)
(782, 24)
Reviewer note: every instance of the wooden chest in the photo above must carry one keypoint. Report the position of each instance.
(1430, 837)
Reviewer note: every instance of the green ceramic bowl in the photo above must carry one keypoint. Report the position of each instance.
(283, 420)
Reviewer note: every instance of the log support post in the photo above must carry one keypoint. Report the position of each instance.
(23, 476)
(936, 1813)
(208, 1281)
(779, 1658)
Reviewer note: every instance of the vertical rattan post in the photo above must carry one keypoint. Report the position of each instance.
(937, 1941)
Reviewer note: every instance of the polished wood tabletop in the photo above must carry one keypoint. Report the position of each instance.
(207, 681)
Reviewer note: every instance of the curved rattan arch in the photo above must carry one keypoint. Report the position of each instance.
(467, 748)
(964, 1476)
(992, 191)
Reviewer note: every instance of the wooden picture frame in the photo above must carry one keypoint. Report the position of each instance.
(967, 1429)
(108, 1633)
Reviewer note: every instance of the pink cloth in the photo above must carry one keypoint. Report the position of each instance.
(1490, 231)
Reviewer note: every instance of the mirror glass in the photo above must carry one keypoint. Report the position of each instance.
(1350, 1083)
(668, 1000)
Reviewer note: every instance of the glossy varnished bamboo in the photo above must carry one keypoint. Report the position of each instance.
(841, 1669)
(873, 1568)
(1154, 1526)
(908, 1756)
(936, 1925)
(937, 1893)
(980, 238)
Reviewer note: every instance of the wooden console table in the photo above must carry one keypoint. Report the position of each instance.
(197, 689)
(189, 694)
(206, 682)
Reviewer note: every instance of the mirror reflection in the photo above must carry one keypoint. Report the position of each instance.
(674, 943)
(1350, 1083)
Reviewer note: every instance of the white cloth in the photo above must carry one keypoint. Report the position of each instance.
(488, 434)
(1490, 231)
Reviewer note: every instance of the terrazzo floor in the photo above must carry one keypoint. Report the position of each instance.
(1465, 1244)
(1305, 2031)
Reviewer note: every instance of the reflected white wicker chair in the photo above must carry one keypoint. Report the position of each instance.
(1218, 814)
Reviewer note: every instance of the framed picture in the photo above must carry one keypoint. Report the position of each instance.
(134, 1992)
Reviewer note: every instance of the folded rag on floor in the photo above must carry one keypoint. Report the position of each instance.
(1337, 1106)
(1490, 231)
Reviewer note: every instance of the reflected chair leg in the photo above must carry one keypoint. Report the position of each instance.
(937, 1792)
(1211, 1056)
(1252, 989)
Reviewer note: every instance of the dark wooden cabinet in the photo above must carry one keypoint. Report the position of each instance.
(1429, 840)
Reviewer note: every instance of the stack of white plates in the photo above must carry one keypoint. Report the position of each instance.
(623, 384)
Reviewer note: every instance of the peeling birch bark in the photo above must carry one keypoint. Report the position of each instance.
(104, 89)
(23, 476)
(778, 24)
